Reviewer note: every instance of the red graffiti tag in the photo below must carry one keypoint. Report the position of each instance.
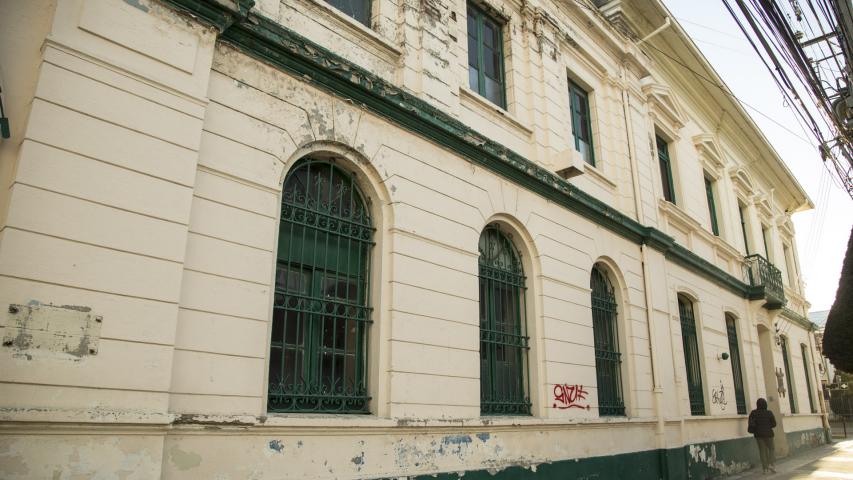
(569, 396)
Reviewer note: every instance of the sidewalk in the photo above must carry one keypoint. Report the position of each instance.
(833, 461)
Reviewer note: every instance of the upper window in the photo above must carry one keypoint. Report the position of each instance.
(765, 234)
(712, 205)
(485, 56)
(581, 122)
(790, 266)
(357, 9)
(665, 169)
(503, 335)
(608, 360)
(743, 229)
(692, 360)
(321, 315)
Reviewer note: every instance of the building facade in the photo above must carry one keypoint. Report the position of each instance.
(387, 239)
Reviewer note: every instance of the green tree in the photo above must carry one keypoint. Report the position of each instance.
(838, 336)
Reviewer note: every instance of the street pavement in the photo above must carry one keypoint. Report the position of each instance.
(829, 462)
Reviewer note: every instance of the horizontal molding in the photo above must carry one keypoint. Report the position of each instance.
(798, 319)
(288, 51)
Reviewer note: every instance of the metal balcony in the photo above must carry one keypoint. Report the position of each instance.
(765, 280)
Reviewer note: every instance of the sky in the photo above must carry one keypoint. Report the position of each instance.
(822, 232)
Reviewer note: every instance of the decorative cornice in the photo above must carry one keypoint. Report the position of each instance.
(218, 13)
(742, 182)
(765, 210)
(276, 45)
(710, 153)
(663, 103)
(799, 319)
(682, 256)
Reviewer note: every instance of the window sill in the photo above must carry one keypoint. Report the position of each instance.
(675, 215)
(336, 422)
(477, 102)
(599, 176)
(680, 219)
(701, 418)
(340, 22)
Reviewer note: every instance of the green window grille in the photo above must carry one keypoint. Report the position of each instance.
(786, 360)
(607, 357)
(318, 354)
(581, 122)
(737, 373)
(691, 356)
(665, 170)
(357, 9)
(807, 370)
(743, 230)
(503, 340)
(712, 207)
(485, 56)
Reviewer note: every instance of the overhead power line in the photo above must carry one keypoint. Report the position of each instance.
(807, 52)
(727, 91)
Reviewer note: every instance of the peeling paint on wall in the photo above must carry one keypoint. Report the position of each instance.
(276, 445)
(358, 461)
(68, 332)
(706, 455)
(183, 460)
(456, 439)
(805, 439)
(137, 5)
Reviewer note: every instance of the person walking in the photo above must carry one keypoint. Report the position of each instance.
(761, 423)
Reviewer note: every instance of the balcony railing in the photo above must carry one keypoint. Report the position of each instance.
(766, 281)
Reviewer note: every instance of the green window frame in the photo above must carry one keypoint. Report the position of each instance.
(764, 231)
(790, 265)
(485, 56)
(692, 360)
(357, 9)
(608, 360)
(734, 357)
(712, 206)
(786, 361)
(321, 310)
(581, 122)
(807, 370)
(665, 169)
(743, 230)
(503, 337)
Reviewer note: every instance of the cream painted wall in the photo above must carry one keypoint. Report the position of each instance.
(148, 188)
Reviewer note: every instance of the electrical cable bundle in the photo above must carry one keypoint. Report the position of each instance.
(813, 74)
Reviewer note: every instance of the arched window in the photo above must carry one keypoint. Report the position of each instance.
(692, 359)
(737, 372)
(503, 336)
(786, 361)
(318, 351)
(607, 357)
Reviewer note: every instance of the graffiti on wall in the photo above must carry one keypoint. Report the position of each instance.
(718, 396)
(569, 396)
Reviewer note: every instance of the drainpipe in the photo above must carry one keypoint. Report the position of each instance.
(660, 433)
(824, 415)
(666, 23)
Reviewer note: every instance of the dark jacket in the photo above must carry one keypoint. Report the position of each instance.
(761, 421)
